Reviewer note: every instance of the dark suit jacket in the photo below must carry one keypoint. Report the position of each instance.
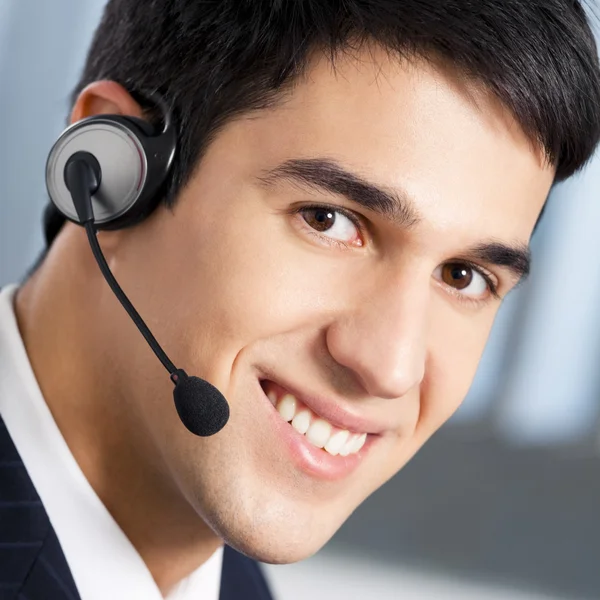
(32, 564)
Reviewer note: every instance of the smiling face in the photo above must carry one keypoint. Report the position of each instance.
(327, 247)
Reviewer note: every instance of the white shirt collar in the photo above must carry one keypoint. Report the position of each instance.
(103, 562)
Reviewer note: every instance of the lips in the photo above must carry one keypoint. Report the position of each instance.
(307, 457)
(318, 431)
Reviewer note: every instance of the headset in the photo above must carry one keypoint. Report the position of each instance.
(108, 172)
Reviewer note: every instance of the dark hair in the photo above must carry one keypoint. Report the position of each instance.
(214, 60)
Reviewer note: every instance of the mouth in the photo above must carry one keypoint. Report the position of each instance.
(326, 444)
(318, 431)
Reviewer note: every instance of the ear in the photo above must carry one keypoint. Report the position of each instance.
(103, 98)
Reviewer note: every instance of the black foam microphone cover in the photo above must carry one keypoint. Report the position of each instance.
(200, 405)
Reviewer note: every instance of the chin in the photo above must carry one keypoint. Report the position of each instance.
(275, 550)
(274, 533)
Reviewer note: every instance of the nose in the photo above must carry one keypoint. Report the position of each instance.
(383, 338)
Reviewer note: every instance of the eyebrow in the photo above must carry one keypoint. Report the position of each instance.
(329, 176)
(324, 174)
(516, 258)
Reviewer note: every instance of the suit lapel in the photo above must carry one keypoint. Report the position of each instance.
(32, 564)
(242, 578)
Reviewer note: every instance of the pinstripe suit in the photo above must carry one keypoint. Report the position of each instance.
(32, 564)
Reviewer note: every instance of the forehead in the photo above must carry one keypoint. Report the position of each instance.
(416, 127)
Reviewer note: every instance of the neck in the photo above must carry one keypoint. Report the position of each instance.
(71, 359)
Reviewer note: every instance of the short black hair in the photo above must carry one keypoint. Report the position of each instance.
(213, 60)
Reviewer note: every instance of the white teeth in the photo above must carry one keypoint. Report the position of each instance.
(318, 433)
(360, 442)
(336, 441)
(287, 407)
(301, 422)
(347, 447)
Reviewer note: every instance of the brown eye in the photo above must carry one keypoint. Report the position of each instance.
(457, 275)
(465, 280)
(332, 224)
(320, 219)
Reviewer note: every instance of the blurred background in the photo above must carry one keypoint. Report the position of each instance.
(503, 502)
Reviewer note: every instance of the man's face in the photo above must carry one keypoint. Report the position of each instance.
(273, 276)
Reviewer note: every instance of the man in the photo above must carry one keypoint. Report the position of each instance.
(354, 192)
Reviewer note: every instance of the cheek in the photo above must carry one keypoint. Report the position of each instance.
(252, 276)
(455, 348)
(456, 344)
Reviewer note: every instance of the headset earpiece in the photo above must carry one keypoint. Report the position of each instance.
(134, 160)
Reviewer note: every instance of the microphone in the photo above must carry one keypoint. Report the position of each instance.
(200, 405)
